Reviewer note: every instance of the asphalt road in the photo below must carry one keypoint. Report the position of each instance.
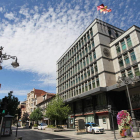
(29, 134)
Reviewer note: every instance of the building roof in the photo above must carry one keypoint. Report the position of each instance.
(39, 92)
(53, 95)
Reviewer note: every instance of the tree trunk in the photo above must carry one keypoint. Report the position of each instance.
(55, 122)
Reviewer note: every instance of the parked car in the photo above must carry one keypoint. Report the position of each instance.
(42, 126)
(93, 128)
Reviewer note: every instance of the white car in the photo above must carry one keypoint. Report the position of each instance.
(94, 128)
(42, 126)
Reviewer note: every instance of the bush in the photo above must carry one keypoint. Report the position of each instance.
(35, 125)
(51, 126)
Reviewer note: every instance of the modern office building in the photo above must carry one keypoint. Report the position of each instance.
(88, 71)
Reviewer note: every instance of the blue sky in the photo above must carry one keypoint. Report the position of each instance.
(38, 32)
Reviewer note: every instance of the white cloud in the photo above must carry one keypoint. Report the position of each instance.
(15, 92)
(39, 39)
(10, 16)
(39, 36)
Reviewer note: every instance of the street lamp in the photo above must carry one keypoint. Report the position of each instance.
(6, 57)
(127, 81)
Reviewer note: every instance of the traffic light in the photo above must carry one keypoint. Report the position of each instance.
(109, 108)
(4, 105)
(19, 113)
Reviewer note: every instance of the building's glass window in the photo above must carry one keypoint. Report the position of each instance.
(85, 40)
(84, 63)
(129, 43)
(136, 70)
(101, 99)
(81, 64)
(92, 43)
(89, 47)
(123, 74)
(79, 89)
(97, 82)
(76, 79)
(109, 31)
(88, 72)
(121, 62)
(83, 88)
(86, 87)
(82, 43)
(123, 45)
(88, 36)
(92, 70)
(118, 49)
(77, 57)
(133, 57)
(76, 90)
(81, 76)
(93, 83)
(91, 33)
(83, 52)
(94, 55)
(126, 59)
(80, 55)
(89, 85)
(86, 49)
(87, 60)
(130, 74)
(85, 75)
(117, 35)
(90, 57)
(96, 68)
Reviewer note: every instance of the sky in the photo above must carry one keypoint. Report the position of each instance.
(38, 32)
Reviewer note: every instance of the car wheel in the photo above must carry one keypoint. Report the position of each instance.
(93, 132)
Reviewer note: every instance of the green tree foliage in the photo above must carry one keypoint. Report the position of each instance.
(12, 104)
(25, 117)
(36, 115)
(57, 110)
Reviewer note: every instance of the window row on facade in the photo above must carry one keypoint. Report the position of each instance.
(86, 86)
(71, 80)
(81, 63)
(133, 71)
(123, 45)
(127, 59)
(76, 48)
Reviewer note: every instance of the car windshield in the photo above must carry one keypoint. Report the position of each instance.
(43, 124)
(95, 125)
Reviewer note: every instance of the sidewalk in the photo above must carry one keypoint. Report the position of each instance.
(108, 135)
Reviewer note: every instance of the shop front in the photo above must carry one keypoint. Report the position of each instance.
(71, 122)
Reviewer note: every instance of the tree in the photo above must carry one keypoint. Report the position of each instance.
(25, 117)
(12, 104)
(36, 115)
(57, 110)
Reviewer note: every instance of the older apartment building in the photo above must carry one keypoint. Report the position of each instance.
(88, 71)
(33, 98)
(43, 105)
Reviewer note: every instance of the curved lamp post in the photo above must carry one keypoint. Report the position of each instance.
(6, 57)
(127, 81)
